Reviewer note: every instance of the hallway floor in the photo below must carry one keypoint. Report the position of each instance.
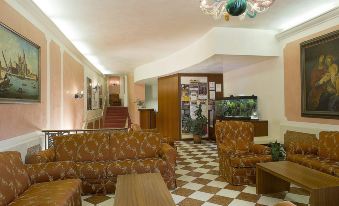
(199, 184)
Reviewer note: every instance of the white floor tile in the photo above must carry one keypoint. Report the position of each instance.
(177, 198)
(237, 202)
(181, 172)
(250, 190)
(209, 176)
(193, 186)
(203, 196)
(269, 200)
(213, 164)
(217, 184)
(195, 165)
(187, 178)
(228, 193)
(202, 170)
(209, 204)
(297, 198)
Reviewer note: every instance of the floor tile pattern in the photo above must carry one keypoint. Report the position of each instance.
(199, 183)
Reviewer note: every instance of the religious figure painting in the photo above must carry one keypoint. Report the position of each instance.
(19, 68)
(320, 76)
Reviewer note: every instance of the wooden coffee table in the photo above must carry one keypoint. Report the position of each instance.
(142, 190)
(275, 177)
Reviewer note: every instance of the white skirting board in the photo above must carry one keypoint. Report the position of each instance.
(23, 142)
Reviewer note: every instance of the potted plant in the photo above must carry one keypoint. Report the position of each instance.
(198, 126)
(277, 151)
(140, 103)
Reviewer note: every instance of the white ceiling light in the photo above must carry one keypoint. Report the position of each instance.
(308, 15)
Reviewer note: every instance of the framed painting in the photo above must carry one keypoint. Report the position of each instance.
(19, 68)
(320, 76)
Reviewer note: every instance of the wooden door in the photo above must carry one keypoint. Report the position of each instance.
(169, 106)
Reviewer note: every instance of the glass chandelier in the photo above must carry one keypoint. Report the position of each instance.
(242, 8)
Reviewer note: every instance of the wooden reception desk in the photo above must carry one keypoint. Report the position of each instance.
(147, 118)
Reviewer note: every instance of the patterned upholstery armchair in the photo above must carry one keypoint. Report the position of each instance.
(238, 155)
(19, 187)
(98, 158)
(307, 150)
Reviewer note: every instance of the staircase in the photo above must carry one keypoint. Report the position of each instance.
(116, 117)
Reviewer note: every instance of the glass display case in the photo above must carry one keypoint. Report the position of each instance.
(237, 107)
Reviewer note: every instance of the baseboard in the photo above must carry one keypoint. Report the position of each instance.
(22, 143)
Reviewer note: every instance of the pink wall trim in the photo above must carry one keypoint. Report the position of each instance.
(73, 76)
(135, 91)
(55, 93)
(292, 82)
(19, 119)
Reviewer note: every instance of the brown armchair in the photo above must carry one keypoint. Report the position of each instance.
(238, 155)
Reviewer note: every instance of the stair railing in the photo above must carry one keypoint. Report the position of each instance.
(49, 134)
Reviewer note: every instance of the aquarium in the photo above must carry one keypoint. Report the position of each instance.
(240, 107)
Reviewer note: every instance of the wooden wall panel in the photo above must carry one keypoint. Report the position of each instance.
(169, 106)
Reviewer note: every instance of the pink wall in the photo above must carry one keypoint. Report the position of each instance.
(135, 91)
(19, 119)
(293, 84)
(73, 76)
(114, 89)
(55, 93)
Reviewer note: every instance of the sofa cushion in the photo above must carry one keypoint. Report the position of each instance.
(61, 192)
(134, 145)
(94, 147)
(300, 143)
(248, 160)
(66, 147)
(82, 147)
(147, 165)
(14, 179)
(51, 171)
(315, 162)
(91, 170)
(329, 145)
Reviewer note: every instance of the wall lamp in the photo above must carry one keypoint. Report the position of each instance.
(79, 95)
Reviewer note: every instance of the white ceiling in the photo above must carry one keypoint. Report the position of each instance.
(118, 36)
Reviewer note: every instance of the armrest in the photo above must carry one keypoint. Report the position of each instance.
(260, 149)
(45, 172)
(168, 153)
(41, 157)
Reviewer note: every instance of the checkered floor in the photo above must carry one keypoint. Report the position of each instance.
(200, 185)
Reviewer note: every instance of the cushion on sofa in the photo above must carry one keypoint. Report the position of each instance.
(62, 192)
(134, 145)
(51, 171)
(249, 160)
(66, 147)
(329, 145)
(147, 165)
(91, 170)
(300, 143)
(315, 162)
(82, 147)
(14, 179)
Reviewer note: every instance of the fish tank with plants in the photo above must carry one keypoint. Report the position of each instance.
(237, 107)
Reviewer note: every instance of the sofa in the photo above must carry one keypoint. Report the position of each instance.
(320, 154)
(19, 187)
(238, 155)
(98, 158)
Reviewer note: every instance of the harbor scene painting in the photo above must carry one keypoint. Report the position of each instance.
(19, 68)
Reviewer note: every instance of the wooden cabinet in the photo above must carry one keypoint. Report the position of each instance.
(147, 118)
(260, 126)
